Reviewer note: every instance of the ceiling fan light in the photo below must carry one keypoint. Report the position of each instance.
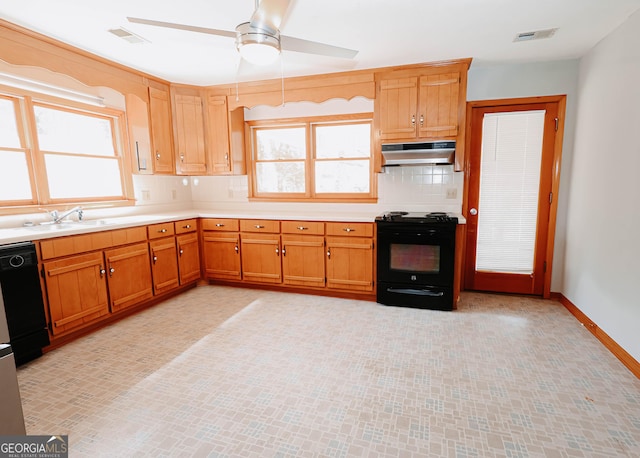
(257, 46)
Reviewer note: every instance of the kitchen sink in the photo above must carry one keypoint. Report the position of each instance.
(50, 227)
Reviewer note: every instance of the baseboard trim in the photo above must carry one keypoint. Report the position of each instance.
(619, 352)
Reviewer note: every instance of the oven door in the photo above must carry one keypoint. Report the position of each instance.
(416, 256)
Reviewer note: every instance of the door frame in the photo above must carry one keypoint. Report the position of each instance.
(561, 100)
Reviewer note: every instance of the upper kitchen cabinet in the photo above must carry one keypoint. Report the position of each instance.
(161, 130)
(189, 132)
(139, 140)
(225, 137)
(422, 103)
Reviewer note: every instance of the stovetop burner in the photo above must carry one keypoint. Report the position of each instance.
(416, 217)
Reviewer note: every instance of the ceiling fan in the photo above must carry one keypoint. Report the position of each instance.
(259, 40)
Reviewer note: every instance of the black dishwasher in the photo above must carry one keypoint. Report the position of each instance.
(22, 297)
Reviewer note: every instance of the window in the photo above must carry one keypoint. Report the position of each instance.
(325, 159)
(52, 154)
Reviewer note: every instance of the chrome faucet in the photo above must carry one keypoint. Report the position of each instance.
(57, 217)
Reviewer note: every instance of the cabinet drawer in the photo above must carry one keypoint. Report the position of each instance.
(302, 227)
(350, 229)
(220, 224)
(160, 230)
(186, 226)
(260, 225)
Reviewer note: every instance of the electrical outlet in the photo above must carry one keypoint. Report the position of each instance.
(146, 194)
(174, 194)
(452, 193)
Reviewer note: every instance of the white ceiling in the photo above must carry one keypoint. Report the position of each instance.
(385, 32)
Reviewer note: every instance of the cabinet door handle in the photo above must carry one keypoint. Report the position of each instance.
(162, 231)
(258, 226)
(421, 120)
(188, 226)
(181, 157)
(302, 228)
(157, 155)
(111, 271)
(413, 120)
(219, 225)
(155, 258)
(237, 249)
(102, 272)
(329, 253)
(284, 251)
(348, 229)
(277, 251)
(181, 251)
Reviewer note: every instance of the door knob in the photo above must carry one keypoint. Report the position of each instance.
(473, 212)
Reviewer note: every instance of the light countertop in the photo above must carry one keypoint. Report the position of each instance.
(45, 231)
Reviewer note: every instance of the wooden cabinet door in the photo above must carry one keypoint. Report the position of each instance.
(396, 110)
(188, 257)
(303, 260)
(261, 257)
(161, 127)
(190, 145)
(350, 263)
(76, 291)
(218, 135)
(438, 105)
(129, 275)
(221, 251)
(164, 264)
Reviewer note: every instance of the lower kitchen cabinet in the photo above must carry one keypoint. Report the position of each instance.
(221, 249)
(76, 291)
(261, 257)
(350, 263)
(188, 258)
(129, 276)
(303, 260)
(164, 264)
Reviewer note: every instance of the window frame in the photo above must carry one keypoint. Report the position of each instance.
(309, 124)
(24, 102)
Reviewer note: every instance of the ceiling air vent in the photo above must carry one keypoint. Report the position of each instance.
(131, 37)
(537, 35)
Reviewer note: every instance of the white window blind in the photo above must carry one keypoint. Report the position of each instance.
(509, 186)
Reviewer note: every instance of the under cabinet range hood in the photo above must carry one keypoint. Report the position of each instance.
(418, 153)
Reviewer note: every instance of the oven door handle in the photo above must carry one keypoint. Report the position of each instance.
(416, 292)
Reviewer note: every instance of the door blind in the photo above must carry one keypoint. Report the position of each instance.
(509, 186)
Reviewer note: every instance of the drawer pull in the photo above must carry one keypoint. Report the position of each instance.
(162, 231)
(348, 229)
(302, 228)
(219, 225)
(188, 226)
(259, 226)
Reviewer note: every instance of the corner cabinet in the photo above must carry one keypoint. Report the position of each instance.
(422, 103)
(189, 134)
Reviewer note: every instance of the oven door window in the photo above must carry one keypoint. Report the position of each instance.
(424, 259)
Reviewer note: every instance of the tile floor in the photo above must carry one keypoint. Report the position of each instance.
(230, 372)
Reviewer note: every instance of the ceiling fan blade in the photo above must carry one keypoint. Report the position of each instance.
(268, 16)
(313, 47)
(190, 28)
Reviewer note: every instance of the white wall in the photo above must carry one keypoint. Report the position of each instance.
(602, 270)
(487, 82)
